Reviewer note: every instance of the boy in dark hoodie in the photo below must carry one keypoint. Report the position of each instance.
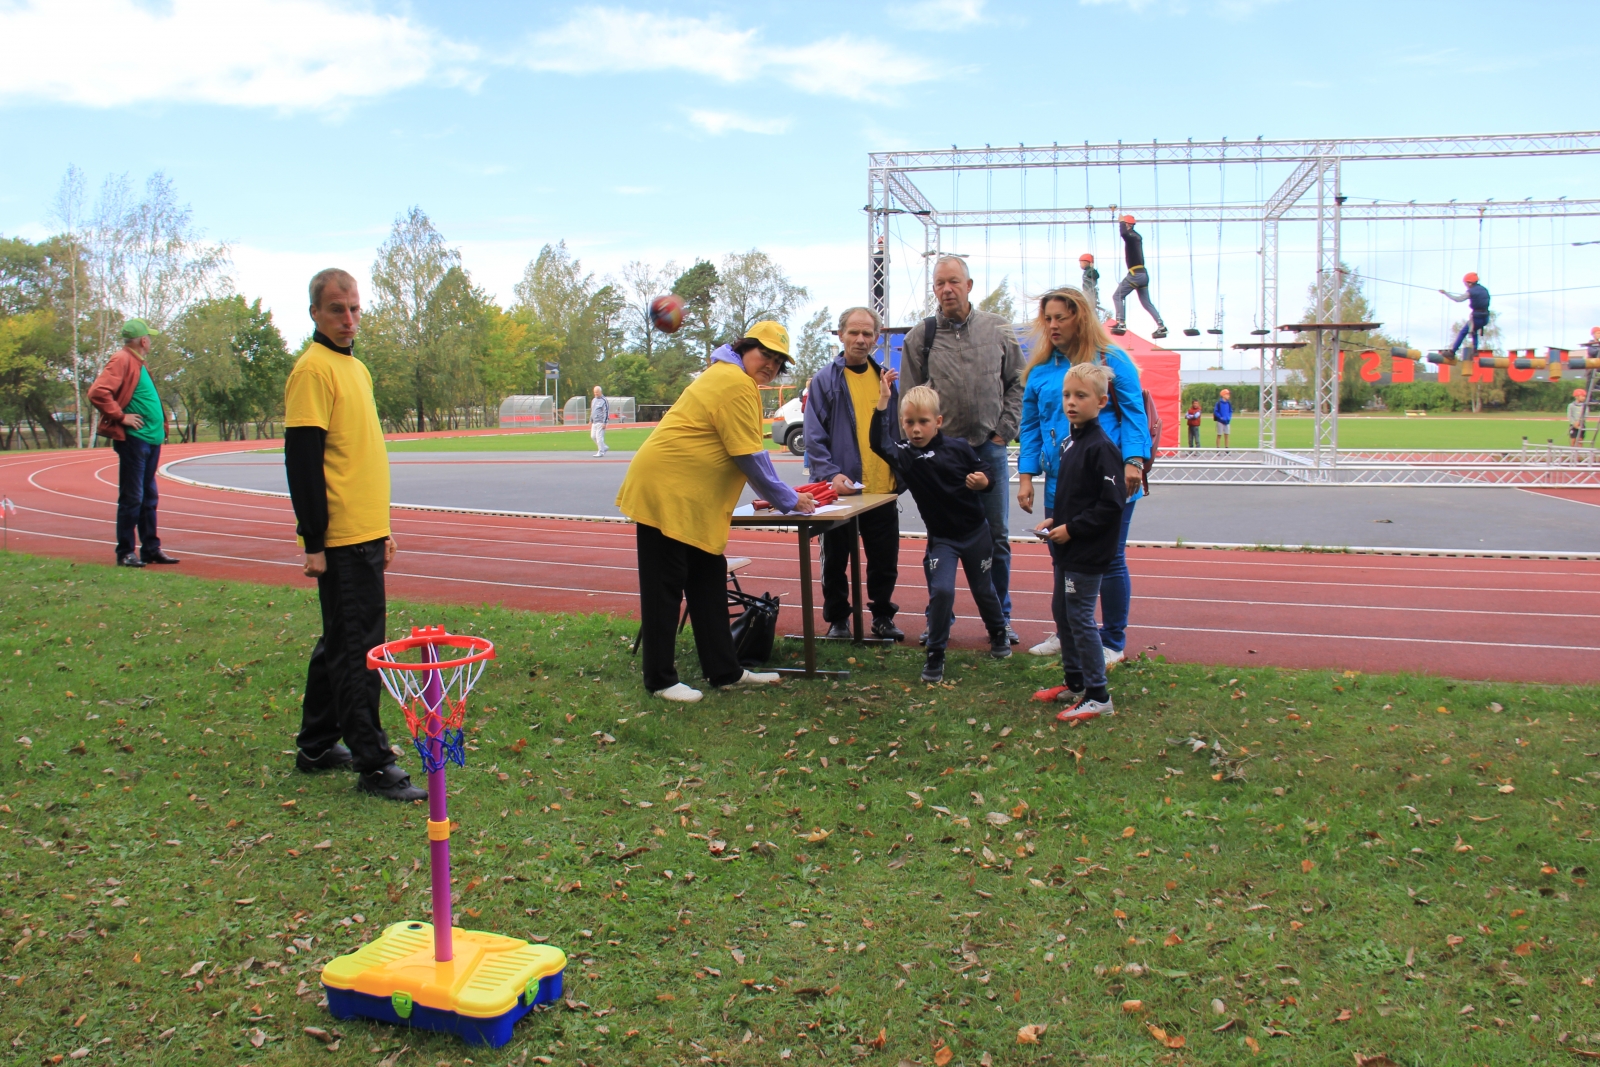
(1090, 495)
(945, 477)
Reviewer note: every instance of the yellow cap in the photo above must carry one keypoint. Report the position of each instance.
(772, 335)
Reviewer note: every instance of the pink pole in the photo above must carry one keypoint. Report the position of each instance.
(439, 848)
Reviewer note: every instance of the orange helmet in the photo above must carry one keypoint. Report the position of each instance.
(1578, 394)
(1129, 219)
(1087, 257)
(1470, 277)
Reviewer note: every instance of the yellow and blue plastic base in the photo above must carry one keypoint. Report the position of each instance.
(478, 996)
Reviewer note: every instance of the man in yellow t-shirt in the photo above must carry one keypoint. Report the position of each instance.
(338, 471)
(839, 409)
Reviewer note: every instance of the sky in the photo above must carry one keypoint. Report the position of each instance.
(299, 130)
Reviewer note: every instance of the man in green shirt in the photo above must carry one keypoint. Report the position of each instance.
(132, 417)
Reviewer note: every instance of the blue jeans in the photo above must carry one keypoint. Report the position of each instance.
(939, 561)
(137, 497)
(1474, 325)
(1083, 664)
(1115, 592)
(997, 508)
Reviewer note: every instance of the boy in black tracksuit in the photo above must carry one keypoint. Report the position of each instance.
(945, 477)
(1090, 495)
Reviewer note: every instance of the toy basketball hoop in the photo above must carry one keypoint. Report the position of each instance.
(471, 984)
(433, 691)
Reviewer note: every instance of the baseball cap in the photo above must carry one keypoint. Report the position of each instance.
(134, 329)
(772, 336)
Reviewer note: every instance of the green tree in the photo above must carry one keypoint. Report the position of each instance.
(697, 286)
(1348, 303)
(999, 301)
(815, 348)
(427, 325)
(232, 366)
(753, 289)
(35, 289)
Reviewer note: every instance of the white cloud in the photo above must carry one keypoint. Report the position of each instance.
(603, 40)
(717, 123)
(939, 14)
(284, 54)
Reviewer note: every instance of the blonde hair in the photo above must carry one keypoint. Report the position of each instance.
(919, 398)
(1098, 377)
(1088, 338)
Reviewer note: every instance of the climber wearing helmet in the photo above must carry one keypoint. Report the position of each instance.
(1477, 297)
(1136, 280)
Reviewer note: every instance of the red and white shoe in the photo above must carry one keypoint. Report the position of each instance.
(1059, 694)
(1084, 710)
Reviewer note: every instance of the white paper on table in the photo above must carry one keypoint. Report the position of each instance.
(749, 510)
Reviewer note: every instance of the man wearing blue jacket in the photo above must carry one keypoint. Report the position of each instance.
(839, 410)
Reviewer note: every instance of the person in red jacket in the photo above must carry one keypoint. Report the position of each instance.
(132, 417)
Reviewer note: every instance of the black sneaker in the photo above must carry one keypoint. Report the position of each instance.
(923, 640)
(336, 758)
(839, 631)
(999, 645)
(1011, 635)
(391, 783)
(160, 557)
(130, 560)
(886, 629)
(933, 669)
(1158, 333)
(1119, 328)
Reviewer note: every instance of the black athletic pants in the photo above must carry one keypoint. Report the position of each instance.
(670, 572)
(880, 543)
(342, 695)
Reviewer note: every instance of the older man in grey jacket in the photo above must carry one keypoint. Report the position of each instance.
(973, 361)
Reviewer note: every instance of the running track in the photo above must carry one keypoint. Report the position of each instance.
(1530, 620)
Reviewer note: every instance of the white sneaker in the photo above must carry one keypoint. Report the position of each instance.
(679, 692)
(597, 455)
(1113, 657)
(752, 678)
(1050, 646)
(1085, 710)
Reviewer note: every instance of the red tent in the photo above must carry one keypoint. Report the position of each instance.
(1158, 373)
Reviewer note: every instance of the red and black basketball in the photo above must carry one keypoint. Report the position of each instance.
(666, 313)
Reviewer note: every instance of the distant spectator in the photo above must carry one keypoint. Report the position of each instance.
(131, 416)
(1575, 416)
(599, 412)
(1222, 415)
(1192, 418)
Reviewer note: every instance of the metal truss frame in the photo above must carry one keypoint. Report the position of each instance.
(892, 190)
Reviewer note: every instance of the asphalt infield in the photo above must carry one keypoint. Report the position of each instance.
(1393, 518)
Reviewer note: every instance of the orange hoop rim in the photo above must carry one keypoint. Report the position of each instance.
(430, 636)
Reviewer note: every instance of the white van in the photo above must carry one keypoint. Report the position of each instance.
(788, 425)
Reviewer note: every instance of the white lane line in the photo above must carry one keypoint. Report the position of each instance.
(1541, 647)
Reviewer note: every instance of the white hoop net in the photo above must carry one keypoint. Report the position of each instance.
(430, 720)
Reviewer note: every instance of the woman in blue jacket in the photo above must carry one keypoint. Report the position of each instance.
(1067, 332)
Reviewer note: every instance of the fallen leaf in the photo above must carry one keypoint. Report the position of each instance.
(1380, 1060)
(738, 957)
(943, 1055)
(816, 837)
(1306, 866)
(196, 969)
(881, 1040)
(1453, 939)
(997, 818)
(1133, 1007)
(1344, 1016)
(394, 1057)
(1524, 949)
(1128, 831)
(257, 1037)
(1118, 913)
(1253, 1045)
(319, 1034)
(1030, 1034)
(1169, 1040)
(1172, 939)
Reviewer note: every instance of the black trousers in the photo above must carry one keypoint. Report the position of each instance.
(669, 572)
(343, 697)
(880, 542)
(137, 462)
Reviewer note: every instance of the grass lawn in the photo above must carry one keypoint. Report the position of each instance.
(874, 871)
(1397, 431)
(560, 441)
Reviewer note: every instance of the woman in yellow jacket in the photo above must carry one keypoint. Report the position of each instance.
(680, 491)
